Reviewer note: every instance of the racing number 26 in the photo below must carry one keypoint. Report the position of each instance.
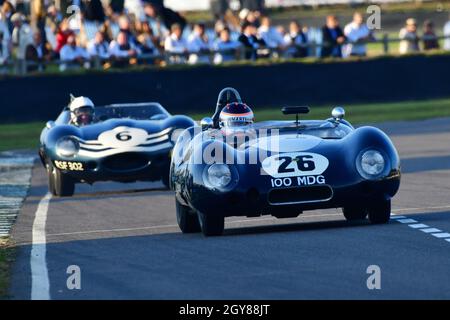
(123, 136)
(304, 163)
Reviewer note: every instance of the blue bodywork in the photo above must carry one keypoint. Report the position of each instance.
(253, 193)
(104, 159)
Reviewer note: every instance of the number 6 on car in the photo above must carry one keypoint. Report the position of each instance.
(123, 137)
(125, 143)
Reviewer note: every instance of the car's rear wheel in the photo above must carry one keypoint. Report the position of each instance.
(380, 212)
(165, 175)
(211, 225)
(187, 219)
(60, 184)
(354, 213)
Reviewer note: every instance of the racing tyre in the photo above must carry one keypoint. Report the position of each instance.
(51, 180)
(60, 184)
(187, 220)
(380, 212)
(352, 213)
(165, 178)
(211, 225)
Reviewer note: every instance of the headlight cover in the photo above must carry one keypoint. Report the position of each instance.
(175, 134)
(67, 147)
(371, 164)
(218, 176)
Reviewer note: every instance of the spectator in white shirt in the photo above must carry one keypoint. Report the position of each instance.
(447, 34)
(72, 55)
(98, 47)
(22, 35)
(123, 51)
(270, 35)
(4, 44)
(228, 50)
(4, 30)
(357, 33)
(409, 39)
(296, 40)
(176, 44)
(199, 43)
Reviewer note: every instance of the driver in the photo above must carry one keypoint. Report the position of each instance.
(81, 111)
(235, 122)
(236, 117)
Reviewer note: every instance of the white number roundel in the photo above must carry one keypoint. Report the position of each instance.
(123, 137)
(295, 164)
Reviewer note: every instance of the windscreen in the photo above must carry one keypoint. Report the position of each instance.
(326, 130)
(319, 129)
(147, 112)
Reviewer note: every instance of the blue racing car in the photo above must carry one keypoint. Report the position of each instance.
(233, 166)
(118, 142)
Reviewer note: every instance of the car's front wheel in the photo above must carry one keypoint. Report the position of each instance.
(380, 212)
(51, 180)
(60, 184)
(211, 225)
(187, 219)
(354, 213)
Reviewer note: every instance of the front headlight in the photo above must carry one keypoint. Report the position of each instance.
(371, 164)
(219, 175)
(67, 147)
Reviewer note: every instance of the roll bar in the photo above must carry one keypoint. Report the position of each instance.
(225, 97)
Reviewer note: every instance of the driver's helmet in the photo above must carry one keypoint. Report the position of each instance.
(236, 115)
(81, 111)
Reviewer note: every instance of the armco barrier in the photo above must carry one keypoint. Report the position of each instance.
(194, 89)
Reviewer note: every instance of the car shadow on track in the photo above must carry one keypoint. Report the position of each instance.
(96, 195)
(293, 227)
(250, 228)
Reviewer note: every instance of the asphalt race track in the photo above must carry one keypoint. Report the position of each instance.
(126, 243)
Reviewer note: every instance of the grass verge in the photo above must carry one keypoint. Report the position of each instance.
(6, 258)
(367, 113)
(20, 136)
(26, 135)
(300, 12)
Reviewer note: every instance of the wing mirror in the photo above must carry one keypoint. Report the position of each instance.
(50, 124)
(338, 113)
(206, 123)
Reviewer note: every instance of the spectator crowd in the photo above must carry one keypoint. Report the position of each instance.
(79, 34)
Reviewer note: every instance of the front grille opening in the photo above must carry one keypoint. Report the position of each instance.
(233, 198)
(253, 195)
(91, 165)
(300, 195)
(126, 162)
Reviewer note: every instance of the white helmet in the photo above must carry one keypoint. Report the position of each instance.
(80, 102)
(81, 110)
